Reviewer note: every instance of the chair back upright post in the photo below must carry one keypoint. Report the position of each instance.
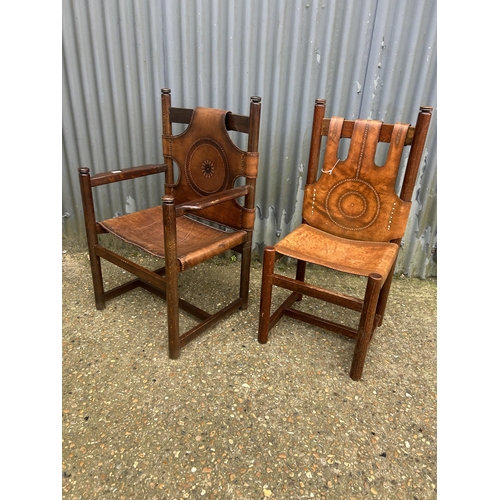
(253, 147)
(166, 103)
(312, 169)
(253, 144)
(417, 146)
(316, 136)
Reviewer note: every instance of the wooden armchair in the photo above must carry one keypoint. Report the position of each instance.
(208, 208)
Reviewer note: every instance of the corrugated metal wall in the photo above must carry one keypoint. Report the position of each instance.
(373, 59)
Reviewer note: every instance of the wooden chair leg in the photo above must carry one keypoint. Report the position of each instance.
(174, 348)
(300, 274)
(96, 270)
(384, 295)
(246, 258)
(90, 227)
(171, 276)
(266, 293)
(366, 325)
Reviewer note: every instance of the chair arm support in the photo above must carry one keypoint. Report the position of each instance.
(124, 174)
(211, 200)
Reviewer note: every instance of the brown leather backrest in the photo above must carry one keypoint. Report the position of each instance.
(209, 162)
(355, 198)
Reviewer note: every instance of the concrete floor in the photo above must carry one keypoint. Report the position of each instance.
(232, 418)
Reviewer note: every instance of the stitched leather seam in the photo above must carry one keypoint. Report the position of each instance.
(362, 152)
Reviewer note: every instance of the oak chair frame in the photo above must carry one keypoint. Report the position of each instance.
(163, 282)
(372, 306)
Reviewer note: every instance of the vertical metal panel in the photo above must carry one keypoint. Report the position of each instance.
(374, 59)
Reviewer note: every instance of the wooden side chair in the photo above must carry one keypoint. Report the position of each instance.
(352, 221)
(208, 208)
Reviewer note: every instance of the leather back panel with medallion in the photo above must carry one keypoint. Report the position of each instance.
(209, 162)
(355, 198)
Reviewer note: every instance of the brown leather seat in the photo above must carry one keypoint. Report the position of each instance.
(353, 222)
(196, 241)
(202, 214)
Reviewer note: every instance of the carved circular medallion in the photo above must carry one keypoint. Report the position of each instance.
(352, 204)
(206, 167)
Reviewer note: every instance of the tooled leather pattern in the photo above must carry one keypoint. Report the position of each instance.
(355, 198)
(209, 162)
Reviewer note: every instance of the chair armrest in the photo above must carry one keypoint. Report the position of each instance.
(124, 174)
(211, 200)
